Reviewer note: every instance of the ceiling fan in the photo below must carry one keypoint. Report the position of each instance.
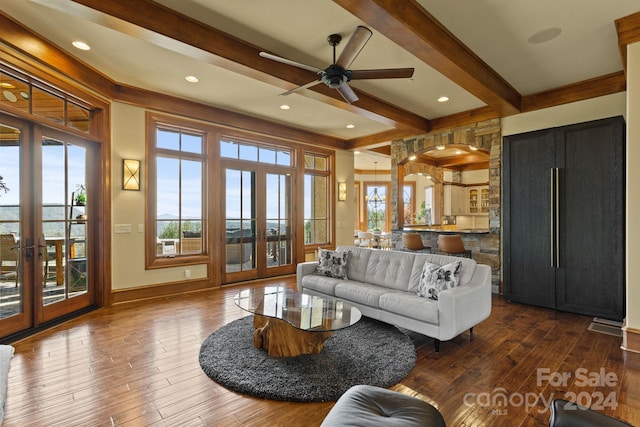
(338, 75)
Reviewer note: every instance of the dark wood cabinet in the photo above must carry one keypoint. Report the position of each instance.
(564, 234)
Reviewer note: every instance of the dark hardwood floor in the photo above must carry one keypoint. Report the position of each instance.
(137, 364)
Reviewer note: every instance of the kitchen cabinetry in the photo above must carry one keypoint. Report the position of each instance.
(564, 218)
(477, 200)
(454, 200)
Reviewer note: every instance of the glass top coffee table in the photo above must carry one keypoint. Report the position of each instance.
(288, 323)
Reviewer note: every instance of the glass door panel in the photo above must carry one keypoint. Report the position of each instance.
(64, 245)
(258, 223)
(278, 220)
(11, 260)
(240, 222)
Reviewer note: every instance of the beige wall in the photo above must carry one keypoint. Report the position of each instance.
(127, 251)
(633, 179)
(345, 211)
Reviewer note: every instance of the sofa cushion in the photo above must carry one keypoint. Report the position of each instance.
(391, 269)
(362, 293)
(436, 279)
(358, 261)
(406, 304)
(324, 284)
(332, 263)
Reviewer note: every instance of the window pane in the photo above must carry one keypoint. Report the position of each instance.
(316, 229)
(191, 189)
(232, 191)
(267, 155)
(78, 117)
(192, 143)
(308, 161)
(249, 152)
(248, 198)
(168, 139)
(168, 186)
(284, 158)
(14, 92)
(229, 149)
(47, 105)
(320, 163)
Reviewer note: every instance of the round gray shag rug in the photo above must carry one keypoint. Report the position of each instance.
(369, 352)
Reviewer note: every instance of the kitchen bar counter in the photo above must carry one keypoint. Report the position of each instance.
(444, 229)
(483, 243)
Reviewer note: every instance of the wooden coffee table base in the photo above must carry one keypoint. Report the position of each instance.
(280, 339)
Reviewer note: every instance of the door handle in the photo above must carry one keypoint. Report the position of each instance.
(28, 250)
(552, 216)
(557, 227)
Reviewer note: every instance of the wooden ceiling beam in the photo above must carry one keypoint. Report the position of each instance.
(628, 29)
(591, 88)
(154, 23)
(409, 25)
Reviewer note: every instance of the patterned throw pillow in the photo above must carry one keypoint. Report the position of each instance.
(332, 263)
(435, 279)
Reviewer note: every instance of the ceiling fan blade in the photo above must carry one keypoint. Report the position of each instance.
(347, 93)
(383, 73)
(307, 86)
(358, 39)
(289, 62)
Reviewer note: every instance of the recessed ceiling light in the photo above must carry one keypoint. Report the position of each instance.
(80, 45)
(356, 152)
(412, 157)
(285, 107)
(440, 147)
(428, 176)
(458, 152)
(472, 148)
(545, 35)
(7, 85)
(443, 99)
(350, 126)
(192, 79)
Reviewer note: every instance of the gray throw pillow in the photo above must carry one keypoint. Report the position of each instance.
(332, 263)
(435, 279)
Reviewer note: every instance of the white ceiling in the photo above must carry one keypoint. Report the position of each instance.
(498, 31)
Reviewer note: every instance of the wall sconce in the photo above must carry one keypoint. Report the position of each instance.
(131, 174)
(342, 191)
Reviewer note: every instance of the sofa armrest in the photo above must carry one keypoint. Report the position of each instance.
(304, 269)
(465, 306)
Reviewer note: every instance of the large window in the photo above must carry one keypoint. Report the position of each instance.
(316, 199)
(180, 187)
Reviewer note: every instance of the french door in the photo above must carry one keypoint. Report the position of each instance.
(46, 224)
(258, 222)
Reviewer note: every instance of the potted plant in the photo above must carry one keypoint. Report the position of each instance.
(80, 195)
(3, 186)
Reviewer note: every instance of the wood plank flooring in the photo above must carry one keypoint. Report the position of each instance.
(136, 364)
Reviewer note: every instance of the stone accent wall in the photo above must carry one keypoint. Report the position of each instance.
(485, 135)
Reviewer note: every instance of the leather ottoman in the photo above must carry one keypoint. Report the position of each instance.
(365, 405)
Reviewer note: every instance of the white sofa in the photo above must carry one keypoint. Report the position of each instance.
(383, 285)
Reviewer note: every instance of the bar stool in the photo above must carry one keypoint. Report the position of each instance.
(451, 244)
(413, 242)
